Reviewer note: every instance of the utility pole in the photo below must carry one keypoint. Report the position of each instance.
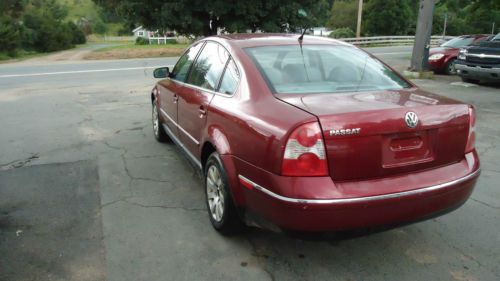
(360, 15)
(445, 22)
(421, 46)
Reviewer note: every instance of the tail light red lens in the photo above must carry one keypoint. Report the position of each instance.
(471, 140)
(305, 152)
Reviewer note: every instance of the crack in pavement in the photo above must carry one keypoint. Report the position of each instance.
(125, 200)
(485, 204)
(19, 163)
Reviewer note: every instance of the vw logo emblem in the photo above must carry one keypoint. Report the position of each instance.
(411, 119)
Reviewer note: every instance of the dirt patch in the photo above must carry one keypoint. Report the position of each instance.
(131, 53)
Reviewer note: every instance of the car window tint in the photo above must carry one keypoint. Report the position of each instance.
(208, 67)
(181, 69)
(230, 79)
(322, 69)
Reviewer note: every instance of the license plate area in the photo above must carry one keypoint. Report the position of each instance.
(403, 149)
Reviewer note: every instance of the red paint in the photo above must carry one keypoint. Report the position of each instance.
(251, 128)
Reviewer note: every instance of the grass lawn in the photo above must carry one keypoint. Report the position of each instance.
(128, 51)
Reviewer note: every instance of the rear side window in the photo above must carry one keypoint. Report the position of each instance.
(230, 79)
(181, 69)
(207, 70)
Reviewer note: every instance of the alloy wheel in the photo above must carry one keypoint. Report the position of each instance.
(156, 122)
(215, 193)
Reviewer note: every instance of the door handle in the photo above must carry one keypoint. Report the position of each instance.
(202, 111)
(176, 98)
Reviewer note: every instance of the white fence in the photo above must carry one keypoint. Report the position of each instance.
(160, 40)
(393, 40)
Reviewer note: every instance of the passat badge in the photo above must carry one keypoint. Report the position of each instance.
(343, 132)
(411, 119)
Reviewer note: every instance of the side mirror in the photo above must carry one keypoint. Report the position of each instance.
(162, 72)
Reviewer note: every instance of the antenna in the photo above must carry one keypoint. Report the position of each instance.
(301, 37)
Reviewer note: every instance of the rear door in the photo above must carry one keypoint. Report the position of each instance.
(199, 90)
(170, 88)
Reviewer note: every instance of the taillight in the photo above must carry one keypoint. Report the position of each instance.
(305, 152)
(471, 140)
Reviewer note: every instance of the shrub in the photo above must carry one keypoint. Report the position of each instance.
(77, 34)
(10, 36)
(141, 41)
(344, 32)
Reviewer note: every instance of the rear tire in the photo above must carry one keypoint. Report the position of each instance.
(220, 206)
(158, 130)
(468, 80)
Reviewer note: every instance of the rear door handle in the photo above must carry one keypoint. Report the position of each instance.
(202, 111)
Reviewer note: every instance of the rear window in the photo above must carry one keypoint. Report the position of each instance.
(322, 69)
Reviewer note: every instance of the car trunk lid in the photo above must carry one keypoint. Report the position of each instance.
(367, 136)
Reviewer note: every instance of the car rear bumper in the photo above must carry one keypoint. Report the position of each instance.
(479, 73)
(331, 214)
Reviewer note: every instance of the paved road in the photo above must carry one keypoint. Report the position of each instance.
(78, 73)
(86, 192)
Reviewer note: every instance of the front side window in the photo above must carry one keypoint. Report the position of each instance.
(208, 68)
(322, 69)
(230, 79)
(181, 69)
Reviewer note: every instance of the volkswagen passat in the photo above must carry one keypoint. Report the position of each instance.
(312, 135)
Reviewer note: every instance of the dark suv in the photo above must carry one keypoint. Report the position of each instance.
(480, 62)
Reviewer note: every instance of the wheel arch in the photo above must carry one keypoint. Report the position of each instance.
(217, 142)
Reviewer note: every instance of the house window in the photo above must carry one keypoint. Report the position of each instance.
(141, 33)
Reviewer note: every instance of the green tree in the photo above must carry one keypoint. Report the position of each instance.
(388, 17)
(10, 36)
(10, 26)
(480, 15)
(44, 27)
(344, 14)
(200, 17)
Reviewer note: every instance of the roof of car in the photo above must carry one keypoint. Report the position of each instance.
(244, 40)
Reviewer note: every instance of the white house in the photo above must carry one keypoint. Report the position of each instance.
(142, 32)
(321, 31)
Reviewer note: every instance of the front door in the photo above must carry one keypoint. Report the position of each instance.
(195, 98)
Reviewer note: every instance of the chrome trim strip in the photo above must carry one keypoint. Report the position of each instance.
(205, 90)
(184, 148)
(359, 199)
(483, 55)
(180, 128)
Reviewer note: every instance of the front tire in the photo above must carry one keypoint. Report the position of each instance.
(220, 206)
(158, 130)
(450, 68)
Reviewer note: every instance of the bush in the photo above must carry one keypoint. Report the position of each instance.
(141, 41)
(99, 27)
(344, 32)
(77, 33)
(10, 36)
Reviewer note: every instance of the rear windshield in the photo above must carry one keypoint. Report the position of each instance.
(322, 69)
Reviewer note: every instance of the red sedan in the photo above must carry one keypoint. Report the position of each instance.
(312, 135)
(442, 59)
